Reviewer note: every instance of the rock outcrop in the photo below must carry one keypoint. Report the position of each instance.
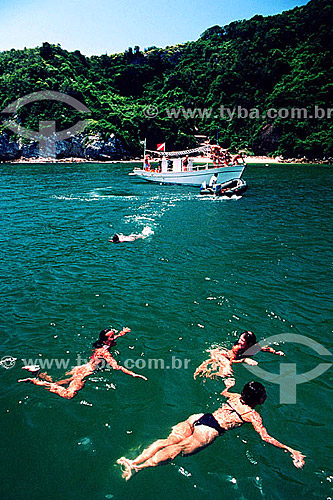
(89, 147)
(9, 150)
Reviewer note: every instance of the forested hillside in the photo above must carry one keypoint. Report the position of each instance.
(282, 61)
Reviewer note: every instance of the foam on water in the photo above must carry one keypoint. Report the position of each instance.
(219, 198)
(147, 231)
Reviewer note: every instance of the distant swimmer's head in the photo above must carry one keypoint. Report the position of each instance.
(253, 393)
(116, 239)
(247, 339)
(106, 337)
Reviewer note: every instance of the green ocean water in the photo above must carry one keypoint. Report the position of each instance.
(208, 270)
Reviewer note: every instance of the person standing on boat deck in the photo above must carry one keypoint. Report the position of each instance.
(227, 157)
(220, 360)
(200, 430)
(238, 159)
(76, 381)
(147, 163)
(185, 163)
(212, 181)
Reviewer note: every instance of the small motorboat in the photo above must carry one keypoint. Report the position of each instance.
(230, 188)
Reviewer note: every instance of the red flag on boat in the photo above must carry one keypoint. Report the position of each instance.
(161, 147)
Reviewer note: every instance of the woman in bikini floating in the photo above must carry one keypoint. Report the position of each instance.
(77, 375)
(200, 430)
(220, 360)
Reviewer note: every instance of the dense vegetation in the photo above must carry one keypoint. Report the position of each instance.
(281, 61)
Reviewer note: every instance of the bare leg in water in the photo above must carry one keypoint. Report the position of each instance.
(192, 435)
(56, 387)
(75, 383)
(184, 438)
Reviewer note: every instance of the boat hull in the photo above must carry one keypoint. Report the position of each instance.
(192, 177)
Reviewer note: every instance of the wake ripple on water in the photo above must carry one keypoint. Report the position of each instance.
(73, 198)
(110, 192)
(155, 208)
(234, 197)
(94, 196)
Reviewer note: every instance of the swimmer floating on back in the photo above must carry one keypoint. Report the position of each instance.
(220, 360)
(200, 430)
(76, 380)
(121, 238)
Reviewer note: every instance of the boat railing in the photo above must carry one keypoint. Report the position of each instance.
(186, 164)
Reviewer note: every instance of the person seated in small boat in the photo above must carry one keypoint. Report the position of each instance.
(220, 190)
(201, 429)
(76, 380)
(204, 189)
(212, 181)
(220, 360)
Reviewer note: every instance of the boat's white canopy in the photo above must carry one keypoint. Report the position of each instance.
(178, 153)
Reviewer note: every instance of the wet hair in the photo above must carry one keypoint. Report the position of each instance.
(249, 337)
(102, 338)
(252, 393)
(116, 239)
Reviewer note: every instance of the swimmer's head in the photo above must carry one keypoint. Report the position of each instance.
(253, 393)
(115, 239)
(106, 337)
(246, 339)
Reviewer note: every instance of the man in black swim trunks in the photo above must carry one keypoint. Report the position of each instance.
(200, 430)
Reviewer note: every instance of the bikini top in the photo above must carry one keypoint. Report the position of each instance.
(238, 414)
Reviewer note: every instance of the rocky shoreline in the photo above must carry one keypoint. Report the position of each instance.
(92, 148)
(254, 161)
(81, 148)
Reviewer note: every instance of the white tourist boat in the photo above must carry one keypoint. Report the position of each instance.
(186, 167)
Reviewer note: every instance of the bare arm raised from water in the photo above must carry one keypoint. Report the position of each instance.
(113, 363)
(122, 332)
(230, 382)
(248, 361)
(255, 419)
(266, 348)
